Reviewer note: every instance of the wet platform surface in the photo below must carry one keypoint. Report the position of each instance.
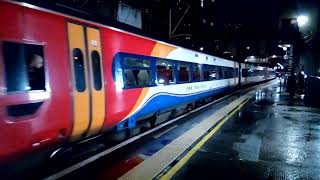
(272, 137)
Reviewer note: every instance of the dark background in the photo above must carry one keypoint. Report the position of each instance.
(233, 29)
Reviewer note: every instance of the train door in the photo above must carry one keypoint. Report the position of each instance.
(88, 88)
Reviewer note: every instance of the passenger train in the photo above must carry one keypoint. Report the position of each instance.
(65, 79)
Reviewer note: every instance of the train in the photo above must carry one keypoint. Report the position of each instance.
(64, 79)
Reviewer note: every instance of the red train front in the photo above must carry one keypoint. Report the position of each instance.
(56, 82)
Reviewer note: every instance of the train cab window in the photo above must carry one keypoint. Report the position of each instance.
(136, 72)
(164, 72)
(183, 72)
(209, 72)
(96, 69)
(24, 67)
(78, 67)
(196, 71)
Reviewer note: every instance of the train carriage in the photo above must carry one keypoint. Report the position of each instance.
(64, 79)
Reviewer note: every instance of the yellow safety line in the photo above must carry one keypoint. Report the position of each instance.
(185, 159)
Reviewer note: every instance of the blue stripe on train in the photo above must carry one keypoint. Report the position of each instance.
(165, 101)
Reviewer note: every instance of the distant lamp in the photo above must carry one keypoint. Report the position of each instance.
(280, 65)
(201, 48)
(302, 20)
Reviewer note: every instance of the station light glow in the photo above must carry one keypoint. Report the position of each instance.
(281, 66)
(302, 20)
(161, 81)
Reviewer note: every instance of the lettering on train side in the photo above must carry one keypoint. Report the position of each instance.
(195, 87)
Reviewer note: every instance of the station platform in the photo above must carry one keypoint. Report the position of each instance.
(272, 137)
(258, 133)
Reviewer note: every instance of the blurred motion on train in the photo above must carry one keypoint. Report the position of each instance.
(64, 79)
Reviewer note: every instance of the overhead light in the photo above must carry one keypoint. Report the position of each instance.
(248, 47)
(284, 46)
(201, 48)
(274, 56)
(281, 66)
(302, 20)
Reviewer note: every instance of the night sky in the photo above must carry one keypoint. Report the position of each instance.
(224, 28)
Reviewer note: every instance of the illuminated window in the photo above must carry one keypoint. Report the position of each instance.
(209, 72)
(136, 72)
(183, 72)
(196, 72)
(164, 72)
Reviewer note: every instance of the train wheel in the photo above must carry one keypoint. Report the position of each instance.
(153, 119)
(129, 133)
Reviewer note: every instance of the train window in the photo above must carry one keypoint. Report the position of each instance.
(228, 72)
(137, 78)
(256, 73)
(183, 71)
(136, 72)
(164, 72)
(261, 73)
(24, 67)
(196, 71)
(135, 62)
(245, 73)
(220, 73)
(78, 67)
(250, 72)
(206, 73)
(96, 69)
(209, 72)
